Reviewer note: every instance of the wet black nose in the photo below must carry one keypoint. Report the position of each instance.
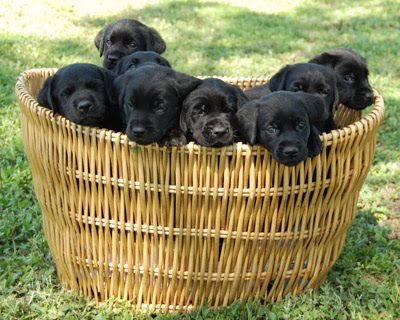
(138, 131)
(291, 151)
(219, 131)
(112, 58)
(84, 106)
(369, 95)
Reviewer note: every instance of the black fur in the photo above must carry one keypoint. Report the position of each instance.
(208, 114)
(84, 94)
(284, 123)
(139, 58)
(351, 69)
(151, 97)
(310, 78)
(126, 36)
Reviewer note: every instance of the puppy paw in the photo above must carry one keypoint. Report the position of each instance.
(174, 138)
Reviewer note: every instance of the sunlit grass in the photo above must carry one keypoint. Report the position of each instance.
(232, 38)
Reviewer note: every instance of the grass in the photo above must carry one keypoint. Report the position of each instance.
(207, 38)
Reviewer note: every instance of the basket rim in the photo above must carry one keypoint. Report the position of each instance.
(375, 116)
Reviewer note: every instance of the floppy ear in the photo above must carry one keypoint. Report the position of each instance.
(154, 42)
(314, 144)
(246, 119)
(45, 96)
(100, 37)
(278, 80)
(182, 119)
(241, 98)
(185, 84)
(326, 59)
(119, 84)
(336, 101)
(108, 78)
(315, 107)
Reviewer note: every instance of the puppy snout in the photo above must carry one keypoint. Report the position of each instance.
(219, 131)
(84, 105)
(112, 58)
(291, 151)
(369, 95)
(138, 132)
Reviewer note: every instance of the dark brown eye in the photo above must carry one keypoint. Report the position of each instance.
(272, 130)
(67, 92)
(301, 126)
(108, 42)
(131, 44)
(298, 87)
(322, 91)
(160, 107)
(200, 109)
(349, 77)
(130, 105)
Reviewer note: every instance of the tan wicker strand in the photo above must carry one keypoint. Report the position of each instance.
(170, 229)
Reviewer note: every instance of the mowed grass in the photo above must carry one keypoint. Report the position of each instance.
(233, 38)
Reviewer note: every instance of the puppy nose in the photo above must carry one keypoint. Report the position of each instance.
(369, 95)
(84, 106)
(219, 131)
(291, 150)
(138, 131)
(112, 58)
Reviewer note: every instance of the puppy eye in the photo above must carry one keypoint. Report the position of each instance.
(323, 91)
(272, 130)
(130, 105)
(131, 44)
(200, 110)
(159, 107)
(298, 87)
(349, 77)
(301, 126)
(109, 42)
(67, 92)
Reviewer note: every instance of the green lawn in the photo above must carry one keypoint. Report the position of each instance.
(207, 38)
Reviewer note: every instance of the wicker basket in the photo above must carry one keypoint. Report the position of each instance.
(174, 228)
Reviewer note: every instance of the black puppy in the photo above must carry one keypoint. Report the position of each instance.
(84, 94)
(306, 77)
(209, 111)
(151, 97)
(284, 123)
(351, 69)
(137, 59)
(125, 36)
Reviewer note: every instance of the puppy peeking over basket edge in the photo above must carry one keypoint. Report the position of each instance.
(151, 102)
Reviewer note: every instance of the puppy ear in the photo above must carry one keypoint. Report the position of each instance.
(182, 119)
(99, 40)
(314, 144)
(154, 42)
(326, 59)
(119, 84)
(315, 107)
(108, 78)
(336, 98)
(246, 119)
(45, 96)
(185, 84)
(278, 80)
(241, 98)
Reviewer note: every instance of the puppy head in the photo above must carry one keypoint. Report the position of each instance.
(125, 36)
(352, 73)
(283, 122)
(307, 77)
(152, 97)
(137, 59)
(81, 92)
(208, 112)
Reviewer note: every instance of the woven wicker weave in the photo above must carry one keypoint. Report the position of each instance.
(174, 228)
